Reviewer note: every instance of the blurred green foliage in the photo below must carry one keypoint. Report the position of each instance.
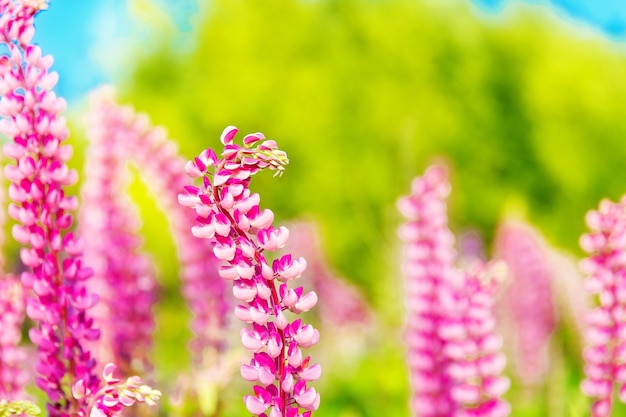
(362, 94)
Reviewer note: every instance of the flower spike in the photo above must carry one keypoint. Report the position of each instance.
(228, 214)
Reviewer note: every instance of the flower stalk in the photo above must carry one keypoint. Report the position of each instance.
(228, 214)
(453, 351)
(60, 302)
(605, 267)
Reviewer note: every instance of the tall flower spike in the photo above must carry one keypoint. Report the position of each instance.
(136, 142)
(61, 304)
(228, 214)
(123, 276)
(605, 354)
(528, 298)
(428, 268)
(475, 363)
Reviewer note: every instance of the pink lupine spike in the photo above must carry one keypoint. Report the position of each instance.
(242, 225)
(477, 384)
(528, 298)
(32, 206)
(605, 267)
(453, 359)
(60, 304)
(426, 234)
(149, 149)
(123, 276)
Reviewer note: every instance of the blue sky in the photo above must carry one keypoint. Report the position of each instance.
(90, 39)
(606, 16)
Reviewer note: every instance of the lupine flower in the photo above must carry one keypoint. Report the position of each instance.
(605, 354)
(228, 214)
(13, 377)
(115, 394)
(428, 266)
(472, 345)
(135, 141)
(123, 276)
(528, 298)
(56, 274)
(453, 352)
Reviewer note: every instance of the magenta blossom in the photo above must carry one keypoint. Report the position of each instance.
(472, 345)
(605, 354)
(122, 136)
(124, 277)
(60, 303)
(453, 351)
(428, 266)
(228, 214)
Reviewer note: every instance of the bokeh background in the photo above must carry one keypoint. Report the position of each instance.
(524, 102)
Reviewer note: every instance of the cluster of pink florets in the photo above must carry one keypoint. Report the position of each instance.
(453, 350)
(59, 301)
(229, 214)
(605, 355)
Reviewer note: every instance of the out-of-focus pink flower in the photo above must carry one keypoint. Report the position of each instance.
(527, 299)
(13, 376)
(472, 345)
(133, 140)
(428, 266)
(228, 214)
(453, 351)
(605, 354)
(123, 275)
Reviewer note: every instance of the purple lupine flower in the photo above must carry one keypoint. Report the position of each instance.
(472, 345)
(228, 213)
(528, 298)
(56, 275)
(605, 354)
(135, 141)
(124, 278)
(429, 257)
(13, 376)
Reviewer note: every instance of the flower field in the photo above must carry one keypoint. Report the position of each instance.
(430, 224)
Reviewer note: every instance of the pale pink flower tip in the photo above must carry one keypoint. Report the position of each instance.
(228, 135)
